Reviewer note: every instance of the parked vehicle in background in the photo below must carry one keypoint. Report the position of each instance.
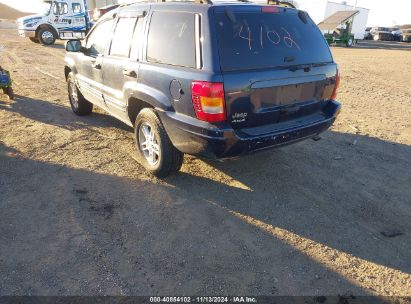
(98, 12)
(63, 19)
(202, 79)
(382, 34)
(406, 35)
(367, 34)
(396, 33)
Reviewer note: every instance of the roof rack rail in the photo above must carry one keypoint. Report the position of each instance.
(210, 2)
(199, 1)
(281, 3)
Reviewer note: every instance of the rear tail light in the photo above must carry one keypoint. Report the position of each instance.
(208, 101)
(337, 84)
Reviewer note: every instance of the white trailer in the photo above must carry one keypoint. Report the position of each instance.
(322, 9)
(360, 20)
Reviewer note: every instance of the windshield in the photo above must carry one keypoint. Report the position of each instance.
(45, 8)
(255, 39)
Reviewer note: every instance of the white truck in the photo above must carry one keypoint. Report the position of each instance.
(61, 19)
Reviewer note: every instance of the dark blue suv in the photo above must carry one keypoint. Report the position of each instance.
(218, 80)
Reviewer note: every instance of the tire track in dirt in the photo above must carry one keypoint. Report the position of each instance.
(15, 59)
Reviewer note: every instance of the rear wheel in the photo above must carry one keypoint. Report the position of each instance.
(47, 36)
(350, 42)
(78, 103)
(156, 152)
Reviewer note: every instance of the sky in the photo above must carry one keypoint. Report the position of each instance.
(382, 13)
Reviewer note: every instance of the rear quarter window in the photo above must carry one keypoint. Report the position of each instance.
(255, 39)
(171, 39)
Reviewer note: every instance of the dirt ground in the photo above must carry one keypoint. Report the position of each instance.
(79, 216)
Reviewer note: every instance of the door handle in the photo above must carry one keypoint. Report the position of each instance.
(130, 73)
(97, 66)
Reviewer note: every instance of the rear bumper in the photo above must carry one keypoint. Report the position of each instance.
(192, 136)
(26, 33)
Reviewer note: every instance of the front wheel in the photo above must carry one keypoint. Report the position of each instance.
(78, 103)
(156, 152)
(47, 36)
(350, 42)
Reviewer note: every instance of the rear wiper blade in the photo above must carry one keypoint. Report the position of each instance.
(289, 59)
(230, 14)
(305, 67)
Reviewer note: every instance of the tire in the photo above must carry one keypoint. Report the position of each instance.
(350, 42)
(167, 159)
(78, 103)
(47, 36)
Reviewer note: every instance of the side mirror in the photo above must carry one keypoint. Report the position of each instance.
(73, 46)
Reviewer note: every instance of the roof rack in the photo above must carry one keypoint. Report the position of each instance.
(210, 2)
(281, 3)
(198, 1)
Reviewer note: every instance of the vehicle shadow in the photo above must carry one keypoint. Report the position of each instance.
(68, 231)
(346, 195)
(383, 45)
(55, 114)
(348, 192)
(59, 46)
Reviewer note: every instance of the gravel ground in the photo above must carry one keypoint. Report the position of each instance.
(79, 216)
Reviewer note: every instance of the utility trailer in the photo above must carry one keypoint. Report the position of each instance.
(337, 28)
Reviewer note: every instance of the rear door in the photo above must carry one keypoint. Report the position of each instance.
(121, 65)
(276, 65)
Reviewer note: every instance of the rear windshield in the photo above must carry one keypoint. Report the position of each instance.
(255, 39)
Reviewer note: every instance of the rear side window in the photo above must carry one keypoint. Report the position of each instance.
(137, 39)
(120, 45)
(171, 39)
(256, 39)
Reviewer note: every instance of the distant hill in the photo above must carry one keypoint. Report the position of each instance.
(7, 12)
(406, 26)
